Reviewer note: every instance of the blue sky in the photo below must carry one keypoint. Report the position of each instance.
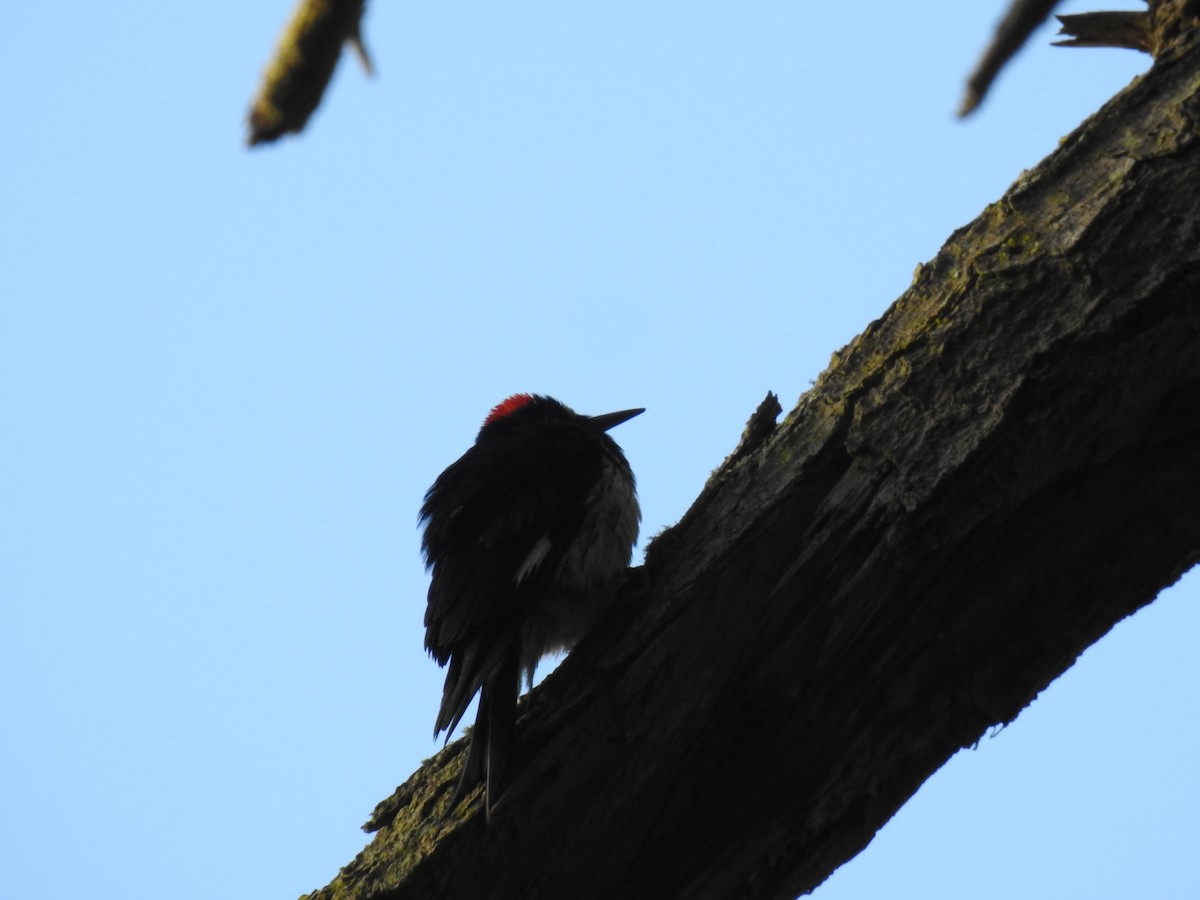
(227, 378)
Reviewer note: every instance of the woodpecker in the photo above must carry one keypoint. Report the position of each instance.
(527, 538)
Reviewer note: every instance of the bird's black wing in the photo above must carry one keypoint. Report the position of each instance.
(496, 523)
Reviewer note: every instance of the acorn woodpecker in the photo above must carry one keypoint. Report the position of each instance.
(527, 536)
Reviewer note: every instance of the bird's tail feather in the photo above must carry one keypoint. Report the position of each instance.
(499, 701)
(492, 737)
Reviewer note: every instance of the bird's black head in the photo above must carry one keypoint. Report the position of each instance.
(528, 409)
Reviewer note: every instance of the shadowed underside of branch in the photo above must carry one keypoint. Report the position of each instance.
(979, 487)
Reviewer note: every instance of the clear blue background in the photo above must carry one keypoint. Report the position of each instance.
(229, 376)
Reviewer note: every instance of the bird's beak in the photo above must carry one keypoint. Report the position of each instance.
(610, 420)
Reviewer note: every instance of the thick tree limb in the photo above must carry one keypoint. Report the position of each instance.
(981, 484)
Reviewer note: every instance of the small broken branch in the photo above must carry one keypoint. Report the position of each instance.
(1107, 29)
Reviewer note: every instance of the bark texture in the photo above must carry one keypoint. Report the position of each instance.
(980, 485)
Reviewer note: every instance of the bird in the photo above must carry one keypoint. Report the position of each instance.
(527, 538)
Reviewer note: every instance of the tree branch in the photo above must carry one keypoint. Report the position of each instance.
(981, 484)
(302, 65)
(1021, 20)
